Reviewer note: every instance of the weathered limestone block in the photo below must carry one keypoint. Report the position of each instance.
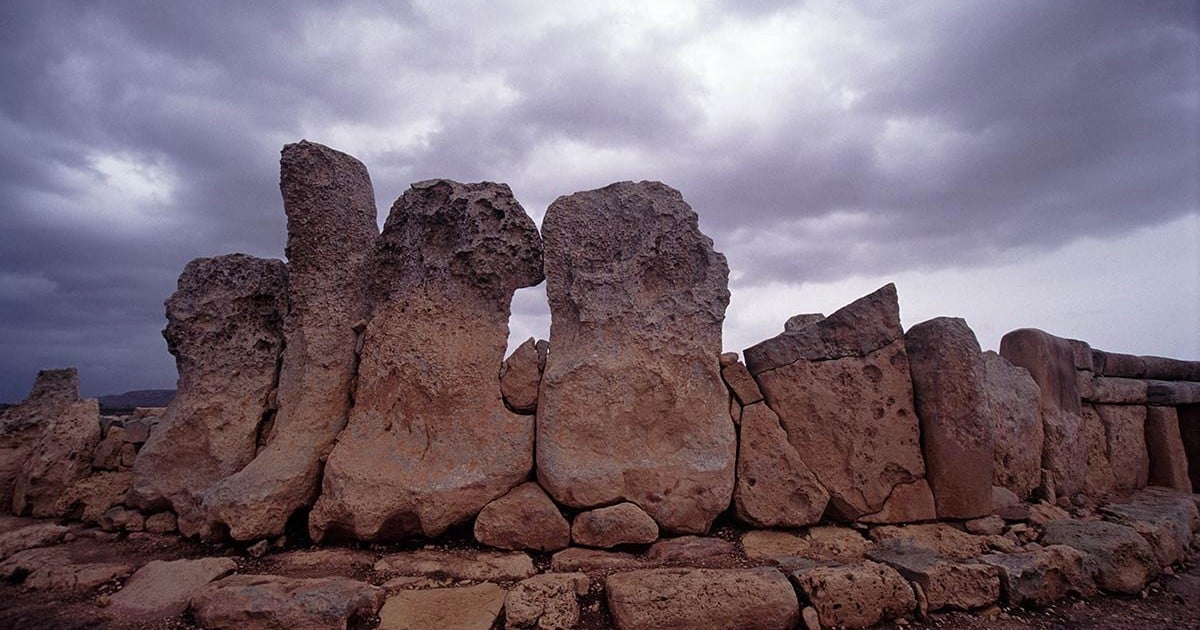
(1099, 480)
(842, 389)
(948, 378)
(330, 207)
(1012, 404)
(702, 598)
(61, 456)
(1164, 447)
(89, 498)
(21, 425)
(520, 377)
(545, 602)
(819, 544)
(620, 524)
(1167, 520)
(225, 328)
(584, 559)
(114, 451)
(1125, 443)
(1051, 362)
(1117, 364)
(1119, 557)
(1115, 391)
(802, 320)
(467, 608)
(1164, 369)
(946, 583)
(856, 595)
(1172, 393)
(64, 568)
(632, 404)
(689, 550)
(525, 518)
(940, 538)
(429, 441)
(162, 589)
(774, 487)
(1041, 577)
(480, 565)
(270, 602)
(909, 503)
(29, 537)
(741, 384)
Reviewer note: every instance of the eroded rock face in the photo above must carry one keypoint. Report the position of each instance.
(429, 441)
(702, 598)
(1012, 404)
(21, 426)
(842, 390)
(330, 206)
(1051, 362)
(632, 404)
(225, 328)
(61, 457)
(948, 377)
(774, 486)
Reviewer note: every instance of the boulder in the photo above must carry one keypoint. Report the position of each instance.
(759, 598)
(163, 589)
(1118, 557)
(89, 498)
(137, 432)
(119, 518)
(1168, 461)
(690, 550)
(593, 560)
(429, 441)
(948, 379)
(946, 583)
(30, 537)
(986, 526)
(620, 524)
(21, 425)
(856, 595)
(520, 378)
(225, 328)
(253, 602)
(1038, 578)
(1051, 362)
(467, 565)
(632, 404)
(467, 608)
(842, 390)
(774, 487)
(330, 207)
(1012, 398)
(819, 544)
(1166, 519)
(549, 601)
(941, 538)
(61, 456)
(525, 518)
(62, 569)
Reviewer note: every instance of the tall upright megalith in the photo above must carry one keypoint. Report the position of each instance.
(632, 406)
(225, 328)
(22, 425)
(430, 441)
(330, 207)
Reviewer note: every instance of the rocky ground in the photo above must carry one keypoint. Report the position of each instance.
(71, 576)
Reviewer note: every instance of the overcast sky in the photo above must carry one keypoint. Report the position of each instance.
(1013, 163)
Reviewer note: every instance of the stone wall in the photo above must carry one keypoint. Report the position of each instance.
(360, 392)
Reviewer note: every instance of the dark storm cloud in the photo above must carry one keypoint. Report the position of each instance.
(137, 136)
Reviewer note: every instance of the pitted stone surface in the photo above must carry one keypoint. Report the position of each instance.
(774, 487)
(632, 404)
(225, 328)
(856, 595)
(842, 390)
(21, 425)
(330, 205)
(1119, 557)
(429, 441)
(254, 602)
(1012, 404)
(61, 457)
(948, 377)
(1043, 576)
(545, 602)
(702, 598)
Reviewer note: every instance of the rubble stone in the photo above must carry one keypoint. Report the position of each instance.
(525, 518)
(607, 527)
(253, 602)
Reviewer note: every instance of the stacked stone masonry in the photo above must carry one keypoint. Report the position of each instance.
(359, 393)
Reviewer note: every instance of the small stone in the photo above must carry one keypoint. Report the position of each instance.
(545, 602)
(947, 584)
(727, 358)
(741, 384)
(469, 608)
(589, 560)
(258, 549)
(480, 566)
(161, 523)
(940, 538)
(689, 550)
(525, 518)
(856, 596)
(1043, 576)
(820, 544)
(520, 378)
(621, 524)
(120, 518)
(810, 618)
(986, 526)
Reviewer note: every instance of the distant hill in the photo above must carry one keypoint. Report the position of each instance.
(136, 398)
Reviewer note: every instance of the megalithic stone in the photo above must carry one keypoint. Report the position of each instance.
(332, 228)
(949, 376)
(430, 442)
(21, 426)
(632, 406)
(225, 328)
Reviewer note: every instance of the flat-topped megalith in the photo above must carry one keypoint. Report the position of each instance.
(843, 393)
(225, 328)
(632, 406)
(330, 206)
(429, 441)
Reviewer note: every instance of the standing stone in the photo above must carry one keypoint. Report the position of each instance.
(1125, 443)
(774, 487)
(1098, 480)
(520, 377)
(1051, 362)
(225, 328)
(429, 441)
(61, 457)
(330, 206)
(1164, 446)
(1189, 434)
(1012, 404)
(948, 378)
(842, 389)
(21, 426)
(632, 405)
